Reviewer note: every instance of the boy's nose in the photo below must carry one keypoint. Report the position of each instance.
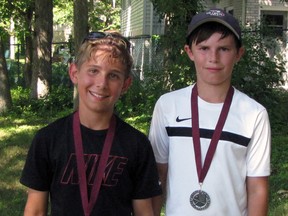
(213, 57)
(101, 81)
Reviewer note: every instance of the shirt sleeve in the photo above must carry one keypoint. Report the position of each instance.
(146, 176)
(259, 149)
(36, 171)
(158, 134)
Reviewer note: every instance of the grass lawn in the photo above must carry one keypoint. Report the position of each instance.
(16, 135)
(15, 138)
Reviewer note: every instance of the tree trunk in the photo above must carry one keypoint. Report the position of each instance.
(80, 31)
(5, 95)
(27, 72)
(42, 56)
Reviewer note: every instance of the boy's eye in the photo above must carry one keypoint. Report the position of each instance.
(224, 49)
(93, 71)
(203, 48)
(114, 76)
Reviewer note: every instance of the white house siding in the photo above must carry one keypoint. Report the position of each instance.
(139, 18)
(239, 13)
(151, 22)
(126, 10)
(158, 24)
(132, 17)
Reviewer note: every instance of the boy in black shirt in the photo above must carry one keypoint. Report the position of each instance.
(91, 162)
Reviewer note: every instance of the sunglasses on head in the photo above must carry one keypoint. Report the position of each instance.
(98, 35)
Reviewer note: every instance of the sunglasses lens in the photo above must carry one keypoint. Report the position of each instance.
(98, 35)
(95, 35)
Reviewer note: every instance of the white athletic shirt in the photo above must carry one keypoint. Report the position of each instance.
(243, 150)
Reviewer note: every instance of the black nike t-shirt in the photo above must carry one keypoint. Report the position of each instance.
(130, 172)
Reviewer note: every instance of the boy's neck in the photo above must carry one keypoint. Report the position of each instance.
(213, 94)
(94, 121)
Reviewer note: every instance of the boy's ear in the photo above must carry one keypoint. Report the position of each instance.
(126, 85)
(189, 52)
(73, 73)
(240, 53)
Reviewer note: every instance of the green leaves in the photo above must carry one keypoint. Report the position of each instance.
(104, 16)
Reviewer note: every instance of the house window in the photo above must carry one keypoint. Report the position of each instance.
(274, 21)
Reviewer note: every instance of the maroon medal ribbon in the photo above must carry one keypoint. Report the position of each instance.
(88, 205)
(216, 135)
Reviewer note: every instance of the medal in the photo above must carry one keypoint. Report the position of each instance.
(200, 200)
(87, 203)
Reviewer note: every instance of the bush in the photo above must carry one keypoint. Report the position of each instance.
(60, 76)
(59, 99)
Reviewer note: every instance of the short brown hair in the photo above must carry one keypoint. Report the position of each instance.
(117, 50)
(204, 31)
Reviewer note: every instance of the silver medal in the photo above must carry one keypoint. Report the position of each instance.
(200, 200)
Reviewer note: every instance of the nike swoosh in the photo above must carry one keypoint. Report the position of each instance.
(180, 120)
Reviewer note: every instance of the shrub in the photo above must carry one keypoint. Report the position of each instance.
(59, 99)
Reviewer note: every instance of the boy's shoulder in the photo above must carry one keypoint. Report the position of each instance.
(57, 126)
(177, 94)
(245, 100)
(125, 127)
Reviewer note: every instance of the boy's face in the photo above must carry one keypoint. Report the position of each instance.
(214, 59)
(100, 83)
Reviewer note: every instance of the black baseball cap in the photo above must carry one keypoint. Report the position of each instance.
(215, 15)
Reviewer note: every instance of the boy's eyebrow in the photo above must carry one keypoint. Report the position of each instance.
(220, 43)
(93, 65)
(114, 70)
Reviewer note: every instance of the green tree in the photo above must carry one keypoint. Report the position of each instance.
(42, 56)
(80, 21)
(80, 31)
(177, 17)
(63, 12)
(21, 13)
(5, 96)
(104, 15)
(28, 24)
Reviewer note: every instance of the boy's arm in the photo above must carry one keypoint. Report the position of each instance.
(257, 194)
(37, 203)
(159, 200)
(143, 207)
